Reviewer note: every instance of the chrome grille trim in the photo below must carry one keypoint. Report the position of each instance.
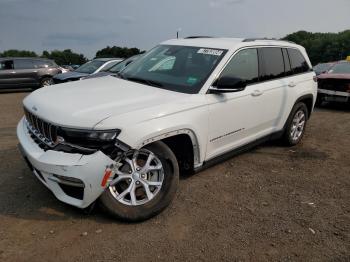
(44, 131)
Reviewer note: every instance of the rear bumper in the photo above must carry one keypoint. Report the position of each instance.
(73, 178)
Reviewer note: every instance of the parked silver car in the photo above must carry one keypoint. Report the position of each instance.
(89, 68)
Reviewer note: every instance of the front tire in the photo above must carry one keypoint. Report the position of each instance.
(46, 81)
(296, 124)
(143, 185)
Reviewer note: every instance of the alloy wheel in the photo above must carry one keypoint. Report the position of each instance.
(298, 125)
(46, 82)
(138, 178)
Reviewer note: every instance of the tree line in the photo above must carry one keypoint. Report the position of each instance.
(321, 47)
(68, 57)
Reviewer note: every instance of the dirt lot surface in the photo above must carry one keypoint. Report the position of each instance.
(269, 204)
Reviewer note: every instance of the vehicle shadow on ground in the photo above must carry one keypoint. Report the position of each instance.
(45, 207)
(22, 90)
(24, 197)
(248, 150)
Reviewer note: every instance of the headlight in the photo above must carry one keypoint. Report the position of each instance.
(88, 138)
(102, 135)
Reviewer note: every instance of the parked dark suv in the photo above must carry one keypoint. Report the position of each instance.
(26, 72)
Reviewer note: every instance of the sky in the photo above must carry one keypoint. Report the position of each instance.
(86, 26)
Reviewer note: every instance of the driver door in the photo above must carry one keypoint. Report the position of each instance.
(234, 117)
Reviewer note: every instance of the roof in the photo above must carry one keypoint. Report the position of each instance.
(226, 43)
(104, 59)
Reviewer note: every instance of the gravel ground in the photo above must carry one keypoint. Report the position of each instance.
(269, 204)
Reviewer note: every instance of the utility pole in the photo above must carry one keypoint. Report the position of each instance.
(177, 33)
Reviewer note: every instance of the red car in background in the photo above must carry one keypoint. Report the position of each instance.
(334, 85)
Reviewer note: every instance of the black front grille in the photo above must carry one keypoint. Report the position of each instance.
(341, 85)
(44, 131)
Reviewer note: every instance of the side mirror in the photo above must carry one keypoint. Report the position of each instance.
(227, 84)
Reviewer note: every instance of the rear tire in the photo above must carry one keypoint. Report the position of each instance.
(132, 209)
(296, 124)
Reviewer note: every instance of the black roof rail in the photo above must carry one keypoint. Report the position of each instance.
(265, 38)
(197, 36)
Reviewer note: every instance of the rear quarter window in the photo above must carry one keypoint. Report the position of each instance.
(298, 62)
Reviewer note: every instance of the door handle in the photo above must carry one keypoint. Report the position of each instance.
(257, 93)
(13, 72)
(292, 84)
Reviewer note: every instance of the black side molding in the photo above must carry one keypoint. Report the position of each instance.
(239, 150)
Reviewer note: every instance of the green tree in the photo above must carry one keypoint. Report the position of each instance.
(65, 57)
(18, 53)
(323, 47)
(116, 51)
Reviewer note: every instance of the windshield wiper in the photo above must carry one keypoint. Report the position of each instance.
(144, 81)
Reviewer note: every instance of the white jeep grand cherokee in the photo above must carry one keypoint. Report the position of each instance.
(182, 106)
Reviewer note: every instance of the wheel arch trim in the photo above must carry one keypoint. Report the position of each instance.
(184, 131)
(307, 96)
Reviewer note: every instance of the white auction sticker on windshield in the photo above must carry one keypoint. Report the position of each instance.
(210, 51)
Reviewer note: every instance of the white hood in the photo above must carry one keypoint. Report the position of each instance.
(85, 103)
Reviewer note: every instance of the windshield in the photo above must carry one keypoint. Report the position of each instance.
(121, 65)
(321, 68)
(90, 67)
(341, 68)
(176, 68)
(110, 65)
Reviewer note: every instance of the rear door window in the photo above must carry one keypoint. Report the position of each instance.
(271, 63)
(298, 62)
(24, 64)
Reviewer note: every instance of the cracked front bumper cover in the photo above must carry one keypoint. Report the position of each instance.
(62, 172)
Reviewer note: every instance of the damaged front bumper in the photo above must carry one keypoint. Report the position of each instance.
(75, 179)
(334, 96)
